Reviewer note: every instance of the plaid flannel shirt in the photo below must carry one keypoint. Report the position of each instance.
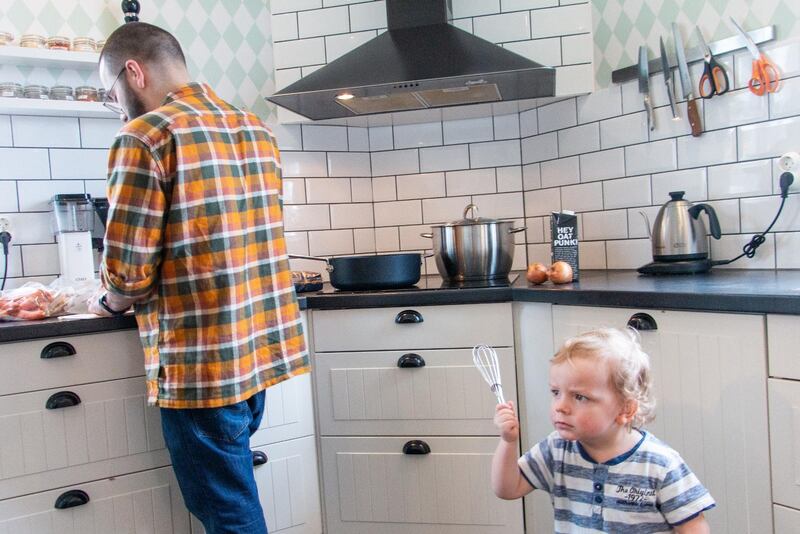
(195, 227)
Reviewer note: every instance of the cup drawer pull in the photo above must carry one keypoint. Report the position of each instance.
(62, 399)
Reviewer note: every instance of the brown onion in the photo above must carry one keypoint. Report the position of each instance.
(537, 273)
(560, 273)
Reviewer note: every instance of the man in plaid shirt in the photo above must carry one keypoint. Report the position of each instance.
(194, 240)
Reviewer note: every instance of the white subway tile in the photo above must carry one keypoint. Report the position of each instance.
(24, 164)
(602, 165)
(332, 3)
(579, 139)
(98, 133)
(556, 116)
(727, 214)
(395, 162)
(387, 239)
(769, 139)
(748, 179)
(730, 246)
(520, 261)
(8, 196)
(737, 107)
(96, 188)
(600, 105)
(509, 179)
(785, 102)
(528, 123)
(430, 185)
(418, 135)
(540, 253)
(583, 197)
(625, 130)
(305, 71)
(560, 172)
(324, 137)
(364, 239)
(787, 250)
(306, 217)
(540, 148)
(367, 16)
(300, 53)
(574, 80)
(692, 181)
(628, 254)
(288, 136)
(330, 242)
(362, 189)
(535, 230)
(398, 213)
(463, 24)
(321, 22)
(506, 127)
(592, 255)
(632, 99)
(285, 78)
(296, 243)
(500, 206)
(284, 6)
(411, 240)
(472, 182)
(506, 27)
(284, 27)
(444, 210)
(30, 228)
(294, 191)
(651, 157)
(474, 8)
(545, 51)
(30, 131)
(6, 138)
(74, 164)
(352, 216)
(562, 21)
(358, 139)
(380, 138)
(445, 158)
(577, 48)
(14, 260)
(349, 164)
(495, 154)
(542, 202)
(328, 190)
(517, 5)
(758, 212)
(468, 131)
(605, 225)
(532, 176)
(709, 149)
(384, 188)
(304, 164)
(667, 126)
(637, 226)
(627, 192)
(40, 260)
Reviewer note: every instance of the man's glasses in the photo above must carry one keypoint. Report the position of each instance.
(110, 104)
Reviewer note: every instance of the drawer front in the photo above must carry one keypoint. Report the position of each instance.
(787, 520)
(784, 438)
(110, 432)
(783, 338)
(96, 357)
(369, 394)
(146, 502)
(288, 412)
(441, 327)
(371, 487)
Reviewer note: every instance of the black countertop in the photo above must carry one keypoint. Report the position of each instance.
(743, 291)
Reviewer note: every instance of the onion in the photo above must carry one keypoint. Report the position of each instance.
(560, 273)
(537, 273)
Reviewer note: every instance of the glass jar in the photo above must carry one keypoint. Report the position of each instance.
(101, 94)
(31, 40)
(100, 44)
(84, 44)
(6, 38)
(61, 92)
(38, 92)
(58, 43)
(85, 93)
(11, 90)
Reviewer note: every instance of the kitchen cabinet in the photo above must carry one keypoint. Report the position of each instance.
(784, 424)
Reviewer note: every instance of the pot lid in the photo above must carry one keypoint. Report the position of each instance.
(466, 221)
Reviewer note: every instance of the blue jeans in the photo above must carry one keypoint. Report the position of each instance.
(210, 451)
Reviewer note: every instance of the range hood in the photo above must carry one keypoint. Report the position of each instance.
(421, 62)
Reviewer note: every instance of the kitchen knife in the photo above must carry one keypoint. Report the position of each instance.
(644, 86)
(686, 83)
(665, 68)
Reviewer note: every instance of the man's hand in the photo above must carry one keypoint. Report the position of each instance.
(115, 302)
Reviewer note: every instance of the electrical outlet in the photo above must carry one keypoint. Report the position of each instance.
(5, 225)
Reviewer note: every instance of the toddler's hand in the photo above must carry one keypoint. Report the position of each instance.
(505, 419)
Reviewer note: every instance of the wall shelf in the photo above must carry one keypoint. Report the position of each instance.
(37, 57)
(30, 106)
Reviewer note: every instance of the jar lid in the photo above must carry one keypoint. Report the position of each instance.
(6, 37)
(467, 221)
(72, 197)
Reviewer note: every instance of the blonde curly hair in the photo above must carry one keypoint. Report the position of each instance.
(629, 364)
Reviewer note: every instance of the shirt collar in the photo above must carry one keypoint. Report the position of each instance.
(617, 459)
(192, 88)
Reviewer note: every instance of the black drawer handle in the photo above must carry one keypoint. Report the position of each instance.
(59, 349)
(62, 399)
(410, 360)
(642, 321)
(408, 317)
(259, 458)
(71, 499)
(416, 446)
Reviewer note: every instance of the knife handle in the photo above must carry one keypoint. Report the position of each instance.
(694, 117)
(651, 121)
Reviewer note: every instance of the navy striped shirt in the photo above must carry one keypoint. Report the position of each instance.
(647, 489)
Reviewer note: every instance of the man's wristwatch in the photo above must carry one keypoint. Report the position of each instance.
(104, 304)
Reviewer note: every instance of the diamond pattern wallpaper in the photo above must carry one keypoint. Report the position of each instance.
(620, 26)
(227, 43)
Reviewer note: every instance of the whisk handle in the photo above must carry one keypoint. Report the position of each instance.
(498, 392)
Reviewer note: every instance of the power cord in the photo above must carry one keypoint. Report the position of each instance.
(5, 239)
(749, 250)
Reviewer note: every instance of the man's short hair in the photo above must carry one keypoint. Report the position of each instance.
(143, 42)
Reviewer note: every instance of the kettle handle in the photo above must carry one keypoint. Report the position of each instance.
(694, 211)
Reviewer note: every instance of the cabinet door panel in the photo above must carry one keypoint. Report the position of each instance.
(787, 520)
(784, 425)
(288, 412)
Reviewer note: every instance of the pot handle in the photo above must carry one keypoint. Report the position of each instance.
(328, 266)
(427, 235)
(517, 230)
(474, 209)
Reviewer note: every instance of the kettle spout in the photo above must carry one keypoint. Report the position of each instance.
(646, 224)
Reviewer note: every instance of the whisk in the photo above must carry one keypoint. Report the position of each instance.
(485, 359)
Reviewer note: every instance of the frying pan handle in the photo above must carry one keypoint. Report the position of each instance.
(328, 266)
(427, 235)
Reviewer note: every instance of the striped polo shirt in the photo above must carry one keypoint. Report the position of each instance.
(647, 489)
(195, 228)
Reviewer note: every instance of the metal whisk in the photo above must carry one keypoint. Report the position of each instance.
(485, 359)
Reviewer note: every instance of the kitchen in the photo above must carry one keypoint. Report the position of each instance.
(373, 184)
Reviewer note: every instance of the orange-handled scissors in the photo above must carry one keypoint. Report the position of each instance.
(714, 80)
(765, 77)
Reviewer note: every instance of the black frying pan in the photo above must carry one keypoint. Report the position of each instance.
(384, 271)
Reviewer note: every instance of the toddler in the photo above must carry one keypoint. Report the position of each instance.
(603, 472)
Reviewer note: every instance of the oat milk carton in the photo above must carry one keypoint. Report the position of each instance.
(564, 239)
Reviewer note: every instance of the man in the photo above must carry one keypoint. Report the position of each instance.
(194, 240)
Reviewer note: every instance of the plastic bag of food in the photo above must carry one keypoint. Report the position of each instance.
(34, 301)
(81, 293)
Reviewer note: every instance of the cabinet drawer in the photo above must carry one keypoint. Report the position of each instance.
(110, 432)
(371, 486)
(288, 412)
(441, 327)
(783, 338)
(367, 393)
(787, 520)
(94, 358)
(784, 438)
(146, 502)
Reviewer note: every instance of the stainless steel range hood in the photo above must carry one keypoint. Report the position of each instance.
(421, 62)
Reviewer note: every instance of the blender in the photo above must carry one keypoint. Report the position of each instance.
(73, 222)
